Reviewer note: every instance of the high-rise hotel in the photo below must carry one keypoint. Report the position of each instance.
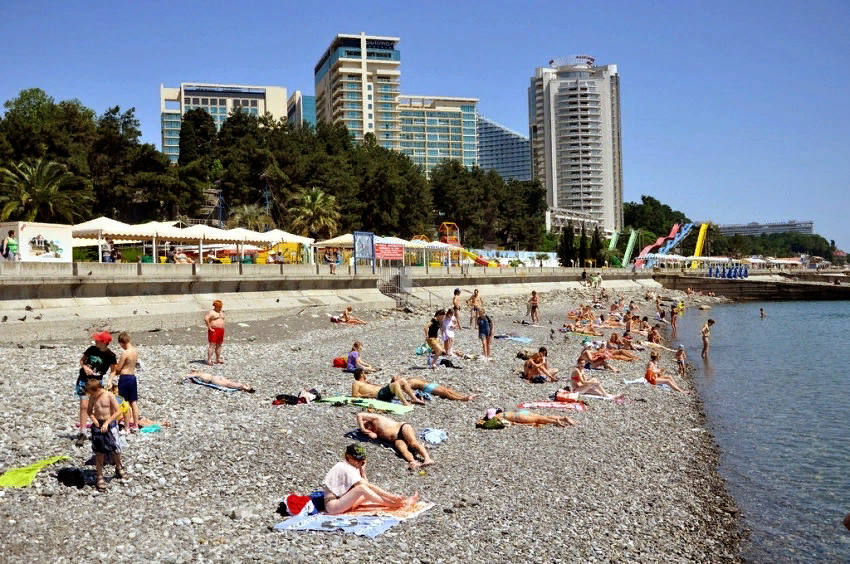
(436, 128)
(357, 82)
(218, 100)
(576, 146)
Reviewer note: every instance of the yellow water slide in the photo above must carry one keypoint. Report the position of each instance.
(703, 231)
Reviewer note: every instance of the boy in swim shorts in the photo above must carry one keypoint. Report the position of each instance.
(680, 359)
(127, 385)
(103, 410)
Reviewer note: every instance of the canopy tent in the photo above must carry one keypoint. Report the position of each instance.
(343, 241)
(279, 236)
(392, 241)
(104, 227)
(708, 259)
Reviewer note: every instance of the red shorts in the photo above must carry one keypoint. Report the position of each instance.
(651, 377)
(216, 335)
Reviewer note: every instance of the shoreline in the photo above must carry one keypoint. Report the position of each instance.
(519, 481)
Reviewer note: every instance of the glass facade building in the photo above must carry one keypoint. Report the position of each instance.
(503, 150)
(219, 100)
(301, 109)
(437, 128)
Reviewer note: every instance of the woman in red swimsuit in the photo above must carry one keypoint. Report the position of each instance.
(656, 376)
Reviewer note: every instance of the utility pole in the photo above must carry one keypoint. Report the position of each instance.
(220, 204)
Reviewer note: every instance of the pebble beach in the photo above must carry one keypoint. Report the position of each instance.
(632, 482)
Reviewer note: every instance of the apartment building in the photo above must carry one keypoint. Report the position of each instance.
(301, 109)
(503, 150)
(437, 128)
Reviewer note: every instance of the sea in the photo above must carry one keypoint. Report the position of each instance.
(777, 399)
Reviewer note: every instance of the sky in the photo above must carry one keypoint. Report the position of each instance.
(731, 111)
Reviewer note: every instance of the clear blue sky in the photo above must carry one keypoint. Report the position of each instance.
(732, 111)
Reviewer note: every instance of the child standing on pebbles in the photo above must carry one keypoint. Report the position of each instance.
(98, 361)
(127, 385)
(103, 411)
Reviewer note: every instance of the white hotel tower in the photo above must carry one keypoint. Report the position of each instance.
(574, 128)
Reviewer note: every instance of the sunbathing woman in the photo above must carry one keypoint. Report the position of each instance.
(219, 381)
(581, 385)
(439, 391)
(617, 352)
(346, 486)
(535, 370)
(347, 317)
(525, 417)
(591, 359)
(656, 376)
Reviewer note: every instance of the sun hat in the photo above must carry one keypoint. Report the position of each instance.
(102, 336)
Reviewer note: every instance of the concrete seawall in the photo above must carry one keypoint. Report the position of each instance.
(54, 301)
(770, 287)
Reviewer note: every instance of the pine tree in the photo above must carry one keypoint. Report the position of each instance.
(188, 144)
(582, 248)
(566, 246)
(596, 247)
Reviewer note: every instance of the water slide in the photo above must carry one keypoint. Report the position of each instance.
(665, 244)
(703, 231)
(475, 258)
(613, 244)
(630, 247)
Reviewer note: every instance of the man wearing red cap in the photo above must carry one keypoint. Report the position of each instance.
(214, 320)
(97, 360)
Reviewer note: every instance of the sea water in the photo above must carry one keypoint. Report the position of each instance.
(777, 396)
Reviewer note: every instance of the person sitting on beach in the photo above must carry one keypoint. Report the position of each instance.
(595, 360)
(397, 388)
(544, 352)
(355, 362)
(629, 344)
(535, 371)
(525, 417)
(432, 332)
(346, 486)
(581, 385)
(656, 376)
(655, 335)
(347, 317)
(633, 309)
(615, 345)
(437, 390)
(219, 381)
(398, 433)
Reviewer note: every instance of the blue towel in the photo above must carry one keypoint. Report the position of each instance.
(523, 340)
(195, 380)
(433, 436)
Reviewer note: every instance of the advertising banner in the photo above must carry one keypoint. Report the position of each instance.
(386, 251)
(41, 242)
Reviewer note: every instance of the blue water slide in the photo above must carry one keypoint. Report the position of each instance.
(672, 243)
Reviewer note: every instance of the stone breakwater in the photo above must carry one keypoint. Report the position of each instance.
(632, 482)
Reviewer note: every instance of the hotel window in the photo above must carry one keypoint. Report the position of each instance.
(235, 103)
(370, 106)
(370, 96)
(253, 103)
(222, 102)
(244, 102)
(196, 101)
(255, 111)
(370, 117)
(368, 87)
(187, 100)
(370, 125)
(205, 101)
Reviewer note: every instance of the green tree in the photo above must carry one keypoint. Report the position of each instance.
(582, 248)
(596, 247)
(315, 214)
(205, 132)
(34, 191)
(250, 217)
(566, 247)
(188, 144)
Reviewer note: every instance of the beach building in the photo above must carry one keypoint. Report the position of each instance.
(219, 100)
(503, 150)
(755, 228)
(357, 83)
(301, 109)
(574, 132)
(437, 128)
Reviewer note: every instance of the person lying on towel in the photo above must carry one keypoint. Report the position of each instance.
(437, 390)
(525, 417)
(219, 381)
(346, 486)
(399, 434)
(397, 388)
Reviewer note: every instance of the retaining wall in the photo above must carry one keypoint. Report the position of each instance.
(769, 288)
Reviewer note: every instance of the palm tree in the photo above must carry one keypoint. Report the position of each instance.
(250, 217)
(34, 190)
(315, 214)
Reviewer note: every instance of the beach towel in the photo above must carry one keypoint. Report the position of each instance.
(433, 436)
(369, 526)
(196, 380)
(573, 406)
(151, 428)
(423, 349)
(369, 402)
(643, 381)
(523, 340)
(23, 477)
(401, 514)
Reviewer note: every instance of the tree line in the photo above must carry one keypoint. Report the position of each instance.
(62, 162)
